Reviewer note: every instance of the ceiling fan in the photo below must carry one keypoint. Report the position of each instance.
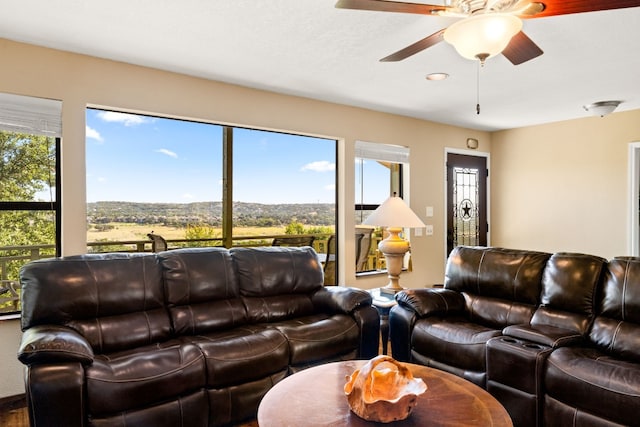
(487, 27)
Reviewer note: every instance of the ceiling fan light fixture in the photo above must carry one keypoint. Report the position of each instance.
(602, 108)
(484, 35)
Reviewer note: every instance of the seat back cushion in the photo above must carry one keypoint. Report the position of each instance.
(202, 290)
(616, 329)
(501, 286)
(277, 282)
(115, 301)
(569, 287)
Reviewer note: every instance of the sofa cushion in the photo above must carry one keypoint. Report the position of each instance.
(591, 381)
(620, 292)
(202, 290)
(496, 313)
(496, 272)
(453, 340)
(569, 287)
(143, 376)
(264, 272)
(100, 296)
(230, 406)
(191, 410)
(243, 354)
(319, 337)
(277, 283)
(278, 307)
(616, 329)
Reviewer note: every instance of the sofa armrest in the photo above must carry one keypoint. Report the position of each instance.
(368, 321)
(401, 323)
(56, 394)
(340, 299)
(431, 301)
(54, 344)
(544, 334)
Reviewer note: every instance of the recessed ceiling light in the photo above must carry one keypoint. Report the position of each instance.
(437, 76)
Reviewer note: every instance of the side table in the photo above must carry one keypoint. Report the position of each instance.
(383, 303)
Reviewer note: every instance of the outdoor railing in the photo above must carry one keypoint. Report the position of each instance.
(13, 257)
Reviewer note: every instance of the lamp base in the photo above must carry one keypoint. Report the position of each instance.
(394, 249)
(390, 291)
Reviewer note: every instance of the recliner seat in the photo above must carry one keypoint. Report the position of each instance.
(485, 290)
(575, 360)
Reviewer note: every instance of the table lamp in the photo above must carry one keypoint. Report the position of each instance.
(394, 214)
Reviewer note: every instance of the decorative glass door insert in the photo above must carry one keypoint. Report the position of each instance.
(466, 201)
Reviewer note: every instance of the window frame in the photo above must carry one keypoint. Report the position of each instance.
(36, 206)
(227, 168)
(393, 154)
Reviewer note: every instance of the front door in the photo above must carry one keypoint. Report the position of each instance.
(466, 200)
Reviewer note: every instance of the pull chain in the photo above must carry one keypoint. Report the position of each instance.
(478, 88)
(481, 58)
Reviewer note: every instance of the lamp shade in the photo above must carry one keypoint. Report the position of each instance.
(484, 35)
(394, 212)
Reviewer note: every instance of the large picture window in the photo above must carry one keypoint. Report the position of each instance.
(203, 184)
(30, 131)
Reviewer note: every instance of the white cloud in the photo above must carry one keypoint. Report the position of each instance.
(319, 166)
(188, 196)
(102, 179)
(93, 134)
(330, 187)
(124, 118)
(167, 152)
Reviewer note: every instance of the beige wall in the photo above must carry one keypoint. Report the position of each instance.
(12, 382)
(564, 186)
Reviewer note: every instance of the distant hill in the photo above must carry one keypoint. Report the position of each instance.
(210, 213)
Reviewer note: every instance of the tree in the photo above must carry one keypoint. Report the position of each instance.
(202, 231)
(27, 166)
(294, 227)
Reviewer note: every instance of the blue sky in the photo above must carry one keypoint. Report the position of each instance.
(145, 159)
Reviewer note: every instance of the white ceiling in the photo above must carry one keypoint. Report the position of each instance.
(311, 49)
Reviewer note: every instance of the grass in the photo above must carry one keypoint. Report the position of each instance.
(129, 231)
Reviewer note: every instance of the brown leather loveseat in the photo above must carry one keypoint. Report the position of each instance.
(554, 337)
(191, 337)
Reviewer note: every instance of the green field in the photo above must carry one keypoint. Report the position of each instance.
(126, 231)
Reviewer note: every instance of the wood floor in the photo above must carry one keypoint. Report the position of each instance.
(14, 414)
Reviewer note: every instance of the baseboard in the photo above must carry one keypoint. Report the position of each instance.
(13, 402)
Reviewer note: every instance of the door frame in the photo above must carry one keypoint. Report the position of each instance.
(474, 153)
(633, 227)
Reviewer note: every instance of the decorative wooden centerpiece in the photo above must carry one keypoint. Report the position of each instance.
(383, 390)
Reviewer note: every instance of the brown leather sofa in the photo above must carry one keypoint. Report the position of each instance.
(191, 337)
(554, 337)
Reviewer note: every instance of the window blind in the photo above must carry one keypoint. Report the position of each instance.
(27, 114)
(382, 152)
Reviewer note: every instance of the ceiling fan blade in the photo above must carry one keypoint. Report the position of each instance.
(566, 7)
(521, 49)
(418, 46)
(390, 6)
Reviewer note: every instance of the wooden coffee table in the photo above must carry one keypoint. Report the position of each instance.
(315, 397)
